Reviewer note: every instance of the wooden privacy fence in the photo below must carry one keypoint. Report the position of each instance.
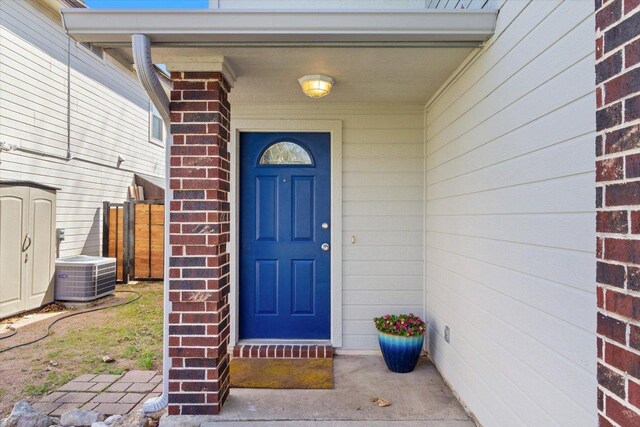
(133, 233)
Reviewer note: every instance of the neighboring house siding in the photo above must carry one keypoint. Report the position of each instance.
(618, 218)
(382, 207)
(109, 116)
(509, 220)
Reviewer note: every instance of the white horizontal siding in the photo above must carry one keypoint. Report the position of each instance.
(509, 240)
(108, 118)
(383, 187)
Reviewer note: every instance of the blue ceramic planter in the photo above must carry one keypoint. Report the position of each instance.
(400, 353)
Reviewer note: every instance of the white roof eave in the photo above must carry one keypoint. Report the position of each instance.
(113, 28)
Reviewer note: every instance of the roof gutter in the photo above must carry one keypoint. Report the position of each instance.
(216, 27)
(148, 76)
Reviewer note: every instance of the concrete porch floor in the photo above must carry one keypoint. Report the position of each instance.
(420, 398)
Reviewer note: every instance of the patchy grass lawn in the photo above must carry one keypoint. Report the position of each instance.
(130, 334)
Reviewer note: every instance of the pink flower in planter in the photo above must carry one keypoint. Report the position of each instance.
(404, 325)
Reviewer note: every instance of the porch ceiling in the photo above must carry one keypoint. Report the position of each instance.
(374, 56)
(269, 75)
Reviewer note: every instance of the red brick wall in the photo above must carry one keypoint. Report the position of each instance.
(199, 233)
(618, 206)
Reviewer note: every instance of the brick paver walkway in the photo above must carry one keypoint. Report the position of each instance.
(107, 394)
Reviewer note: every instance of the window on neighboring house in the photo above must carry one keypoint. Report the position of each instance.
(97, 51)
(156, 125)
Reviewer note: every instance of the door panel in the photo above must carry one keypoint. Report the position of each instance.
(285, 189)
(14, 207)
(267, 208)
(303, 212)
(40, 253)
(266, 286)
(303, 278)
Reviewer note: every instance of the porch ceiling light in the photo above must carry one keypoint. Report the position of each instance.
(316, 85)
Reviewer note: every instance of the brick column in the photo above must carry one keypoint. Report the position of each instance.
(618, 211)
(199, 233)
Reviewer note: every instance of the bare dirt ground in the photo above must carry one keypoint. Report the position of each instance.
(130, 334)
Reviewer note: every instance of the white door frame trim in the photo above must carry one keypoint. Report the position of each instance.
(334, 128)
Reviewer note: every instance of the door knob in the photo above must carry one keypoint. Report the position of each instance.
(325, 247)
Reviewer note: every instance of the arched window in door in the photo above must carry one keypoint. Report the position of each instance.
(285, 153)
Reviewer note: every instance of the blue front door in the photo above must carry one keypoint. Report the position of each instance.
(285, 210)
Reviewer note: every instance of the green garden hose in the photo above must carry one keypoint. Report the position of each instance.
(136, 298)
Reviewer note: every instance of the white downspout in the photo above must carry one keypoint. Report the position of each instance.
(141, 46)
